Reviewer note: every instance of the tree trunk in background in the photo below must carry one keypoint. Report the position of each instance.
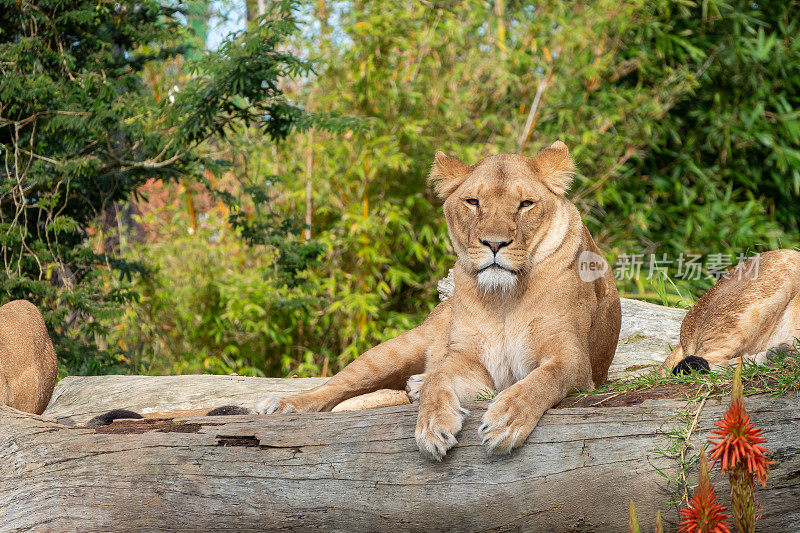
(254, 9)
(309, 177)
(500, 13)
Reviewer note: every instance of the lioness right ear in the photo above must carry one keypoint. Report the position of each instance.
(554, 167)
(447, 174)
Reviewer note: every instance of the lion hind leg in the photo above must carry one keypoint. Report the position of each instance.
(414, 386)
(388, 365)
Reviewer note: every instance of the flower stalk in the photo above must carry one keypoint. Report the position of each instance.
(737, 447)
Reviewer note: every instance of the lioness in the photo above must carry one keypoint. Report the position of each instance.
(28, 366)
(751, 311)
(521, 320)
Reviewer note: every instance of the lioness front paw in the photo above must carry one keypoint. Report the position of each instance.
(506, 424)
(414, 386)
(274, 404)
(437, 427)
(310, 401)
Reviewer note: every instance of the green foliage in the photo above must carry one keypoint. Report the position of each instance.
(80, 131)
(621, 86)
(720, 171)
(682, 117)
(259, 225)
(209, 303)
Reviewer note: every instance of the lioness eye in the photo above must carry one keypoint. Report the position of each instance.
(526, 203)
(472, 201)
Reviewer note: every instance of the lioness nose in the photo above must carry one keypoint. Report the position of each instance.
(495, 245)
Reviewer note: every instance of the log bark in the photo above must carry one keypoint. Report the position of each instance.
(78, 399)
(359, 471)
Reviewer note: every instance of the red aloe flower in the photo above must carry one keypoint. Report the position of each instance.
(739, 444)
(738, 440)
(704, 514)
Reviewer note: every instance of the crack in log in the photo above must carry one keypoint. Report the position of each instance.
(238, 440)
(145, 425)
(250, 441)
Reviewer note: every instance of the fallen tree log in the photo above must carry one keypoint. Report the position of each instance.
(361, 471)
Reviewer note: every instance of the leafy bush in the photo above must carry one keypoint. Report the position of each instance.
(206, 303)
(213, 302)
(80, 131)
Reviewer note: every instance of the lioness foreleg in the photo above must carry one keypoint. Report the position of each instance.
(459, 377)
(434, 357)
(385, 366)
(514, 413)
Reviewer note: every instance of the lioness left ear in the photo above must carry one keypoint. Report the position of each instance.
(554, 167)
(447, 174)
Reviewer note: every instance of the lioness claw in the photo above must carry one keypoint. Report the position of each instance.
(436, 431)
(273, 404)
(434, 444)
(506, 425)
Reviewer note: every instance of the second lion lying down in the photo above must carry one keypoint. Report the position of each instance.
(752, 312)
(524, 319)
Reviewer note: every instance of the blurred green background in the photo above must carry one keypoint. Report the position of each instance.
(240, 187)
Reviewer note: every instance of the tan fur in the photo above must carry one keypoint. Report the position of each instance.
(532, 330)
(28, 367)
(752, 310)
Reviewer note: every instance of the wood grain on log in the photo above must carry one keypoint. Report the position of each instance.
(361, 471)
(78, 399)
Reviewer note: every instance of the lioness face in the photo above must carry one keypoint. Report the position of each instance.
(500, 210)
